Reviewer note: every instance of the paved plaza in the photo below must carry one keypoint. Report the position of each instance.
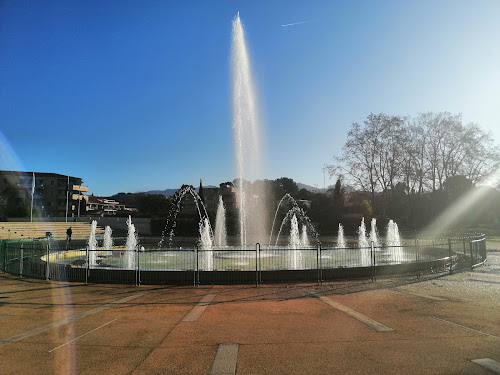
(440, 325)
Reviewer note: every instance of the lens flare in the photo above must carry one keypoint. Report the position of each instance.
(9, 160)
(466, 206)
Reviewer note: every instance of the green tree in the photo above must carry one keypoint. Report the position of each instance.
(153, 205)
(11, 204)
(148, 205)
(305, 194)
(322, 213)
(338, 200)
(288, 185)
(200, 192)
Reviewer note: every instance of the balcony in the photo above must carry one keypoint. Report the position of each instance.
(77, 197)
(80, 188)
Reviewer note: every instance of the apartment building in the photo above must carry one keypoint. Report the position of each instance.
(52, 194)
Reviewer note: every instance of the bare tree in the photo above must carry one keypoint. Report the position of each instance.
(456, 149)
(391, 148)
(414, 164)
(481, 155)
(417, 154)
(358, 160)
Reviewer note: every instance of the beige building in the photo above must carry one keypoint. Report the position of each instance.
(105, 206)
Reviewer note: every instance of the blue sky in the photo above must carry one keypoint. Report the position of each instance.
(136, 95)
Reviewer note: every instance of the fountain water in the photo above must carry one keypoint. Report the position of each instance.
(251, 202)
(206, 245)
(92, 245)
(393, 237)
(374, 233)
(294, 244)
(340, 238)
(393, 241)
(253, 215)
(108, 240)
(294, 204)
(296, 211)
(304, 239)
(363, 244)
(176, 208)
(220, 224)
(362, 241)
(130, 245)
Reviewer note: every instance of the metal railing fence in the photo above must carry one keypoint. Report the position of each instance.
(229, 265)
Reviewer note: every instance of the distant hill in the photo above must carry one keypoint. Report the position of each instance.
(347, 188)
(166, 192)
(310, 188)
(171, 192)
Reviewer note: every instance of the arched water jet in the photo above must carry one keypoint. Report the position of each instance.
(176, 208)
(299, 212)
(294, 204)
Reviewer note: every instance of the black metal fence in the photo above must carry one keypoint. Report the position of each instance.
(230, 265)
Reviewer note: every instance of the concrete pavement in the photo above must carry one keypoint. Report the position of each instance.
(437, 326)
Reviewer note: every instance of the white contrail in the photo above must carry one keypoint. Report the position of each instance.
(296, 23)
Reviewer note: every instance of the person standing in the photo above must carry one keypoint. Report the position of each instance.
(69, 232)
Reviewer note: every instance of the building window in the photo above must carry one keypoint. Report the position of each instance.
(52, 182)
(4, 180)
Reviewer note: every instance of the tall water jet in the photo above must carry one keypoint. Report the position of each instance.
(206, 245)
(130, 245)
(92, 245)
(253, 215)
(363, 244)
(340, 238)
(108, 240)
(393, 241)
(393, 238)
(294, 245)
(220, 224)
(362, 241)
(304, 239)
(374, 233)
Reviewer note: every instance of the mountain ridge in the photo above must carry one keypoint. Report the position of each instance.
(170, 192)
